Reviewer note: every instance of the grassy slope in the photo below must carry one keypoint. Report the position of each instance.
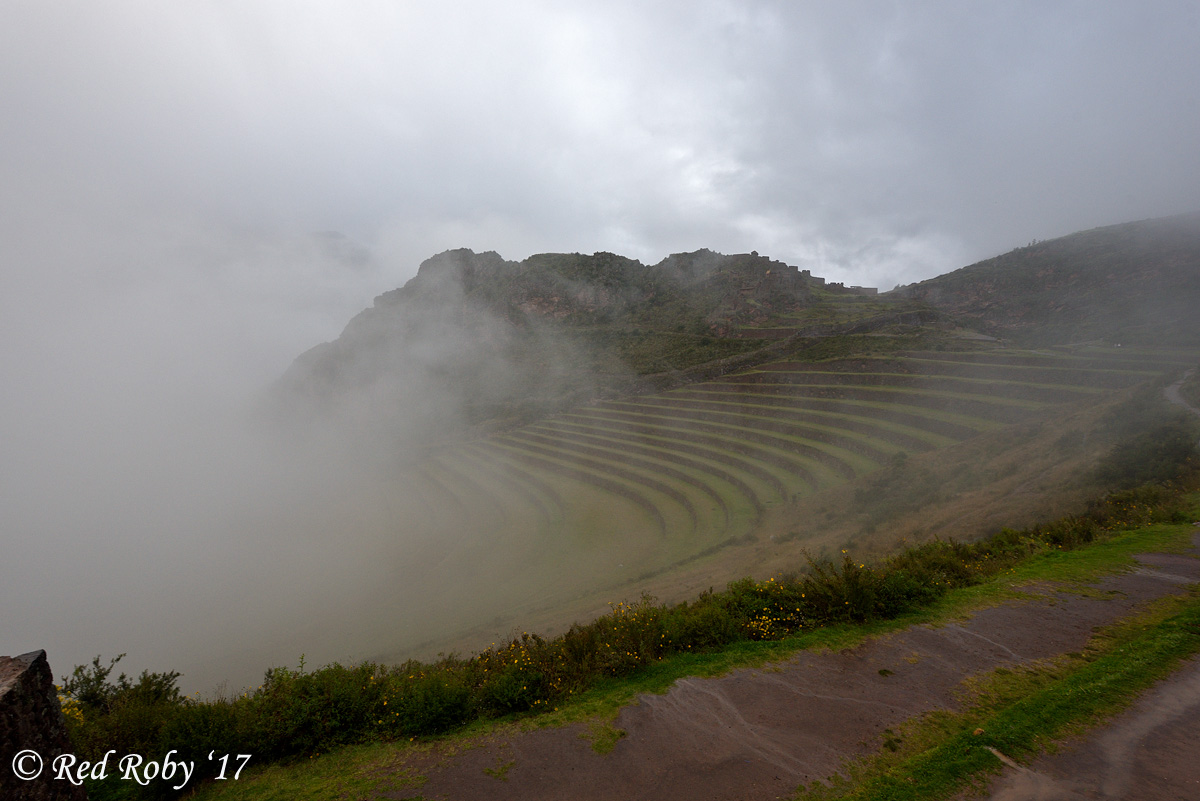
(1012, 475)
(1019, 710)
(1129, 283)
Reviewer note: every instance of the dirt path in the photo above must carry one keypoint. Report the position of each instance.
(1173, 394)
(758, 733)
(1148, 753)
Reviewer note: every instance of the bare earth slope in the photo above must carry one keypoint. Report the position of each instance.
(759, 733)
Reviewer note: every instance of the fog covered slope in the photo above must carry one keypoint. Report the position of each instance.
(1137, 282)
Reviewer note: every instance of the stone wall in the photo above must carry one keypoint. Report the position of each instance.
(31, 719)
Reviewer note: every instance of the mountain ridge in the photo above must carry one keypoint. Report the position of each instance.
(1102, 283)
(474, 341)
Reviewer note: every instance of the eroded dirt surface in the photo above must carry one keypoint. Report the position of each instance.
(759, 733)
(1151, 752)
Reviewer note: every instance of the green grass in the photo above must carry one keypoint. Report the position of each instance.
(501, 769)
(739, 506)
(986, 382)
(857, 345)
(741, 500)
(658, 415)
(647, 351)
(727, 393)
(661, 494)
(663, 419)
(613, 456)
(1066, 364)
(603, 736)
(684, 429)
(352, 772)
(728, 441)
(765, 422)
(831, 419)
(997, 400)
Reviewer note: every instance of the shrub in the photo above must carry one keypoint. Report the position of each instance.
(429, 703)
(514, 689)
(1163, 454)
(706, 623)
(297, 712)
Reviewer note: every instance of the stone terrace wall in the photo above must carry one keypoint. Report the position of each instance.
(30, 718)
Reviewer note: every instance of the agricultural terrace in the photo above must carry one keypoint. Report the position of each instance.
(628, 488)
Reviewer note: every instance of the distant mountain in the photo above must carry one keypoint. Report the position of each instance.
(699, 293)
(475, 341)
(475, 338)
(1135, 282)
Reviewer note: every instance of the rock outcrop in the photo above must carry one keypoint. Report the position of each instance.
(31, 720)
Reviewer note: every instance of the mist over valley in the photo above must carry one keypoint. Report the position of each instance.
(385, 331)
(501, 446)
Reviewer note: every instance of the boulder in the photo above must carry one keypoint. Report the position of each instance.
(31, 719)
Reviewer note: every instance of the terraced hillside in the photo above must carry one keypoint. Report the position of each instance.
(613, 492)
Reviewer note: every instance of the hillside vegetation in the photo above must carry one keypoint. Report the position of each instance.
(1131, 283)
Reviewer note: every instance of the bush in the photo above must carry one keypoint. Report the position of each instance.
(431, 703)
(514, 689)
(707, 623)
(297, 712)
(1163, 454)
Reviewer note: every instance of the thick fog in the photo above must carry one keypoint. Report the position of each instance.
(170, 175)
(143, 507)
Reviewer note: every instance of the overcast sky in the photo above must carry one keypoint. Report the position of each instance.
(876, 142)
(164, 165)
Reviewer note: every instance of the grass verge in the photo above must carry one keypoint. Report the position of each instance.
(352, 772)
